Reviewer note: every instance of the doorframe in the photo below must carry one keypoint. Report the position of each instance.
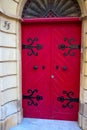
(83, 81)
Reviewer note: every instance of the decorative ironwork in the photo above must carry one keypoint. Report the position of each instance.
(35, 67)
(65, 68)
(71, 46)
(31, 47)
(51, 8)
(68, 98)
(31, 97)
(43, 67)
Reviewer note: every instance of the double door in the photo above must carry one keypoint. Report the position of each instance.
(51, 69)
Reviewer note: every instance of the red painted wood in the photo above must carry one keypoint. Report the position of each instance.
(68, 80)
(51, 34)
(37, 79)
(47, 20)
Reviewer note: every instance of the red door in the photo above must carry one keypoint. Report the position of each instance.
(51, 68)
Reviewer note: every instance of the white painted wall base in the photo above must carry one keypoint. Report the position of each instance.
(41, 124)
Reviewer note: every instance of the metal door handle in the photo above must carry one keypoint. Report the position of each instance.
(35, 67)
(64, 68)
(43, 67)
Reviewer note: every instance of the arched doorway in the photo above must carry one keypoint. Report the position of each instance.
(51, 37)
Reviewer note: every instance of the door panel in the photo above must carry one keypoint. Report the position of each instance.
(65, 85)
(51, 69)
(36, 70)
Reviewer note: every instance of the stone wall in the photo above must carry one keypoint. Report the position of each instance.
(10, 64)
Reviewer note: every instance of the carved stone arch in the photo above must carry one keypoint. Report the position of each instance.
(82, 6)
(22, 4)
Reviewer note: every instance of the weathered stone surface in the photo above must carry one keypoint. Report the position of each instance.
(85, 96)
(86, 4)
(85, 67)
(81, 106)
(85, 82)
(7, 40)
(8, 82)
(85, 110)
(9, 109)
(7, 25)
(7, 68)
(9, 122)
(9, 7)
(80, 119)
(9, 95)
(84, 123)
(85, 55)
(8, 54)
(16, 0)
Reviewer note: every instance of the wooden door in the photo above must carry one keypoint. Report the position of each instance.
(51, 68)
(66, 70)
(36, 70)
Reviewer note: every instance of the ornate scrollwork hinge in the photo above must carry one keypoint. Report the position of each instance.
(31, 97)
(31, 47)
(70, 47)
(68, 98)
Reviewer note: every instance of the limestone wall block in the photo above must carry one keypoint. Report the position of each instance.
(16, 0)
(9, 96)
(9, 122)
(85, 55)
(8, 82)
(86, 40)
(7, 25)
(80, 119)
(20, 117)
(85, 67)
(85, 96)
(86, 4)
(7, 40)
(9, 109)
(0, 113)
(84, 23)
(81, 108)
(85, 82)
(84, 123)
(9, 6)
(85, 110)
(7, 54)
(7, 68)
